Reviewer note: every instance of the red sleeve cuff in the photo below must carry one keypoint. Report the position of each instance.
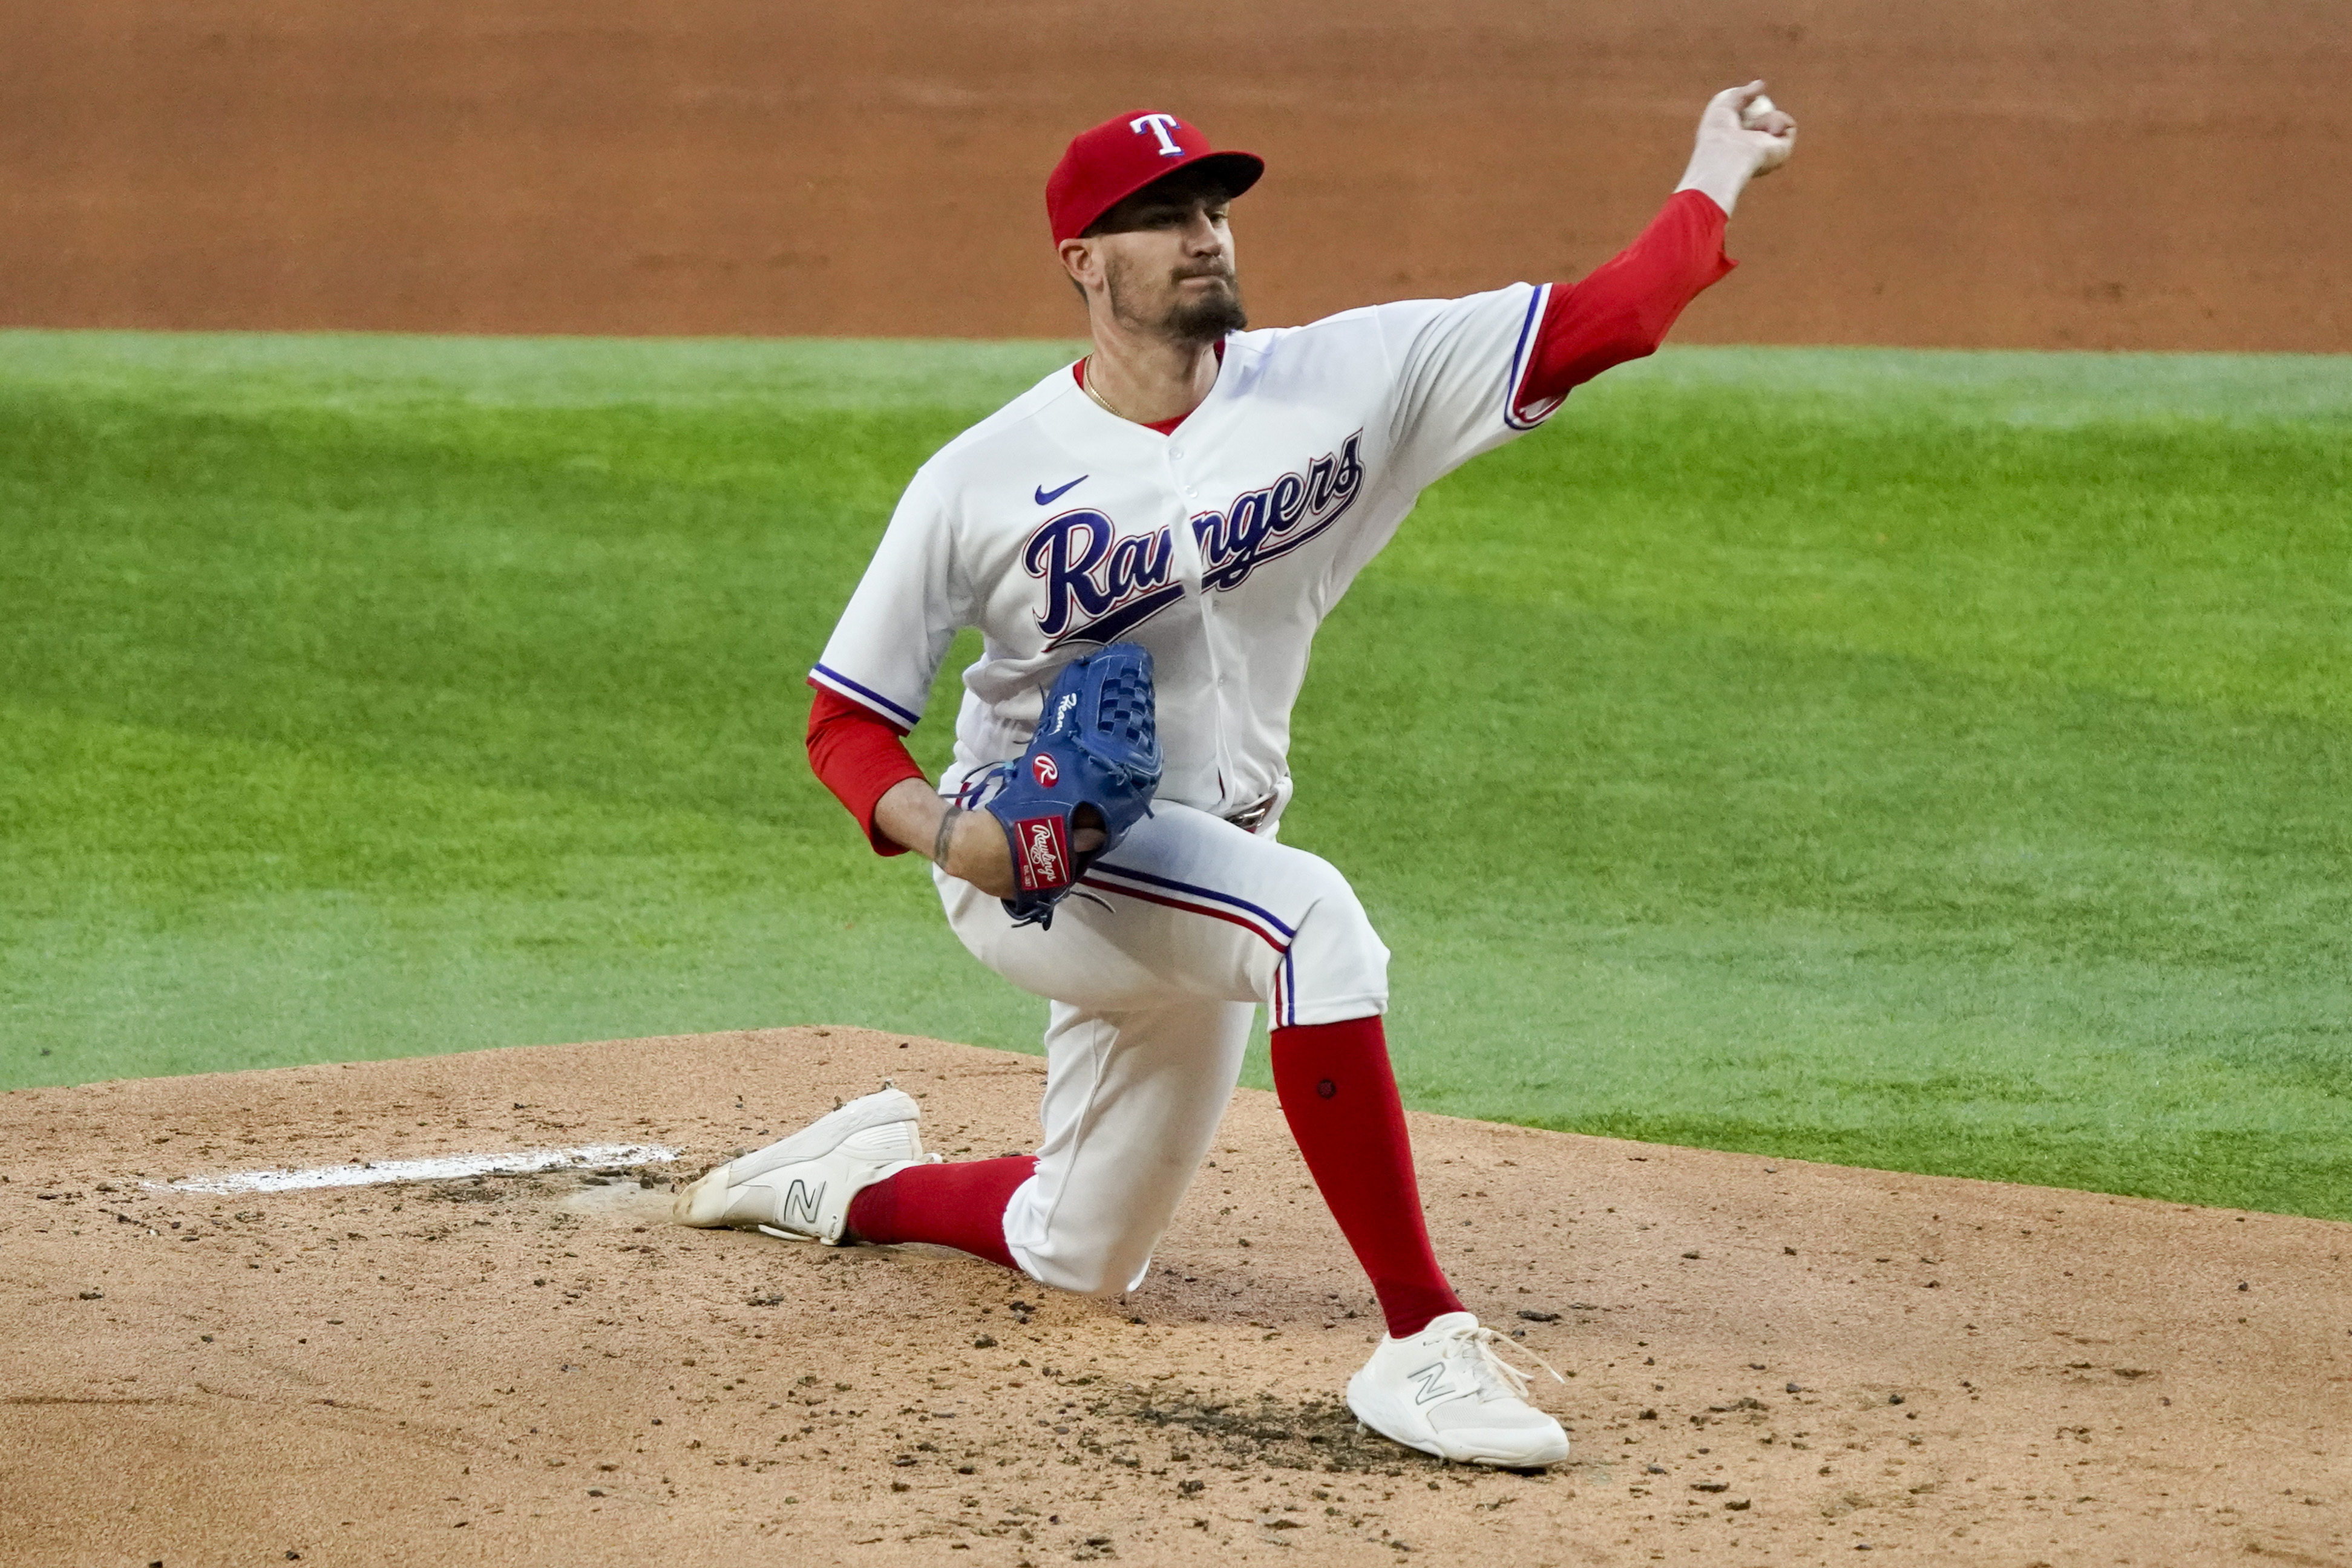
(1625, 308)
(858, 756)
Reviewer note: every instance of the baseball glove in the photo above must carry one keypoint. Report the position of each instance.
(1096, 753)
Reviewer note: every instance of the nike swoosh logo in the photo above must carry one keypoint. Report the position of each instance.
(1048, 497)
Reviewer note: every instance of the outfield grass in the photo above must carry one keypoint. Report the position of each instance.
(1932, 761)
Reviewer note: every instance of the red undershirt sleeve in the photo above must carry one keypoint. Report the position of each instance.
(1622, 310)
(858, 756)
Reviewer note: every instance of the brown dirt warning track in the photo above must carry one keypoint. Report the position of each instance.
(1771, 1362)
(2018, 173)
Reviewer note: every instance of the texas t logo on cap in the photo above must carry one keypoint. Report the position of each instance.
(1159, 125)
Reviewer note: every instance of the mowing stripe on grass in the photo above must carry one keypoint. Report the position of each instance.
(1934, 761)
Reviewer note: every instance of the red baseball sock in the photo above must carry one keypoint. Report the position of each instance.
(959, 1205)
(1340, 1097)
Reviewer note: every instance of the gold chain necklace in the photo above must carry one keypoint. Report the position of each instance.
(1087, 382)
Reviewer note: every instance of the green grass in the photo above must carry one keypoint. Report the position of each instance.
(1940, 762)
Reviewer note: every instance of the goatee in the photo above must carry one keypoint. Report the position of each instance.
(1208, 318)
(1202, 320)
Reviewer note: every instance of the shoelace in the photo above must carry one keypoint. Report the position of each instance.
(1491, 1371)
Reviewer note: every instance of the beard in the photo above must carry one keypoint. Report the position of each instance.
(1205, 319)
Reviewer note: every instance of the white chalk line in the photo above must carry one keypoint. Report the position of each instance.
(441, 1168)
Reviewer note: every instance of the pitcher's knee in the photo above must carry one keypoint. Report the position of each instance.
(1087, 1243)
(1084, 1270)
(1337, 966)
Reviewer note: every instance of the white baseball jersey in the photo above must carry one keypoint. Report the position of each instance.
(1057, 527)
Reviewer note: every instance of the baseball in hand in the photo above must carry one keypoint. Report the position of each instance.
(1758, 108)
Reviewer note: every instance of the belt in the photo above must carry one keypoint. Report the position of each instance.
(1250, 818)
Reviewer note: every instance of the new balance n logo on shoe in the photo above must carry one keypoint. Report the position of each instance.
(799, 1204)
(1432, 1379)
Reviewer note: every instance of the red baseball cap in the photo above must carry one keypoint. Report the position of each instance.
(1106, 165)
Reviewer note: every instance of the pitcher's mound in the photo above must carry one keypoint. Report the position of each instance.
(518, 1359)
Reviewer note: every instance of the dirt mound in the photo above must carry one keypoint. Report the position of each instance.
(1766, 1362)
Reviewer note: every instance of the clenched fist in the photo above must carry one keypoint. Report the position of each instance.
(1736, 144)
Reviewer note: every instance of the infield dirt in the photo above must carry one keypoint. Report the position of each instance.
(1768, 1361)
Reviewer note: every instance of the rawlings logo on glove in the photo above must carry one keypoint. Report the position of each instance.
(1041, 857)
(1096, 753)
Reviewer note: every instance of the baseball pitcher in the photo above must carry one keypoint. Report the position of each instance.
(1147, 540)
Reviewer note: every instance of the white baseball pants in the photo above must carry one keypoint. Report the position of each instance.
(1154, 966)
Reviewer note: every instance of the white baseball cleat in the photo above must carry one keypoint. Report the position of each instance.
(800, 1187)
(1445, 1392)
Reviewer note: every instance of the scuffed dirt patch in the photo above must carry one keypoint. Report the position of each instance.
(1318, 1434)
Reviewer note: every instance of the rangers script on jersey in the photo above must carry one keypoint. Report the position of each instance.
(1056, 527)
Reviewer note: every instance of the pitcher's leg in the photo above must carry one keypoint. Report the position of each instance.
(1339, 1095)
(959, 1204)
(1191, 907)
(1132, 1101)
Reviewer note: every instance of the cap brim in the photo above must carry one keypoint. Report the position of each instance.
(1239, 171)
